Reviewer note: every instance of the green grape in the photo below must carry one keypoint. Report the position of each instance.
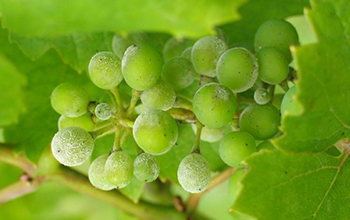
(146, 167)
(235, 147)
(141, 66)
(261, 96)
(276, 33)
(206, 53)
(120, 44)
(237, 69)
(261, 121)
(85, 122)
(119, 169)
(194, 173)
(105, 70)
(289, 105)
(265, 145)
(187, 53)
(277, 101)
(155, 131)
(273, 66)
(178, 72)
(103, 111)
(97, 174)
(161, 96)
(72, 146)
(173, 48)
(210, 134)
(214, 105)
(69, 100)
(235, 185)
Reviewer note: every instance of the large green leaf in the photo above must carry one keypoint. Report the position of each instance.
(64, 17)
(254, 13)
(286, 186)
(323, 82)
(11, 95)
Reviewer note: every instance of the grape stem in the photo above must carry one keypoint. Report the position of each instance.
(184, 97)
(181, 104)
(18, 189)
(116, 144)
(125, 136)
(284, 85)
(134, 98)
(193, 199)
(101, 132)
(182, 114)
(116, 94)
(196, 144)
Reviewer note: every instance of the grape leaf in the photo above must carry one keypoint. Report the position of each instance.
(253, 14)
(32, 47)
(302, 186)
(65, 17)
(77, 49)
(324, 68)
(11, 95)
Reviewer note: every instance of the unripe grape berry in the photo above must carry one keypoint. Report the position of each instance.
(141, 66)
(105, 70)
(72, 146)
(97, 174)
(69, 100)
(237, 69)
(146, 167)
(155, 131)
(119, 169)
(178, 72)
(160, 96)
(261, 121)
(85, 122)
(206, 53)
(214, 105)
(194, 173)
(235, 147)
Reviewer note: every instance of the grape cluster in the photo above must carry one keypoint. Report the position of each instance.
(228, 95)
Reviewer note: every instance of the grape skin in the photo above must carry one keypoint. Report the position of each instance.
(265, 145)
(103, 111)
(146, 167)
(178, 72)
(214, 105)
(97, 174)
(210, 134)
(194, 173)
(155, 131)
(105, 70)
(187, 53)
(72, 146)
(120, 44)
(261, 96)
(85, 122)
(289, 105)
(173, 48)
(273, 66)
(276, 33)
(235, 147)
(119, 169)
(69, 100)
(261, 121)
(237, 69)
(161, 96)
(205, 54)
(141, 66)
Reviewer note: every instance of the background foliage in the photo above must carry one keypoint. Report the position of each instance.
(44, 43)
